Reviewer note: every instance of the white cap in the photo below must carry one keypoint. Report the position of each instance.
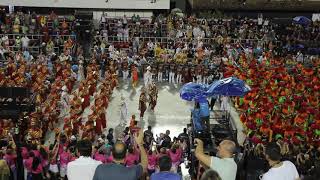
(73, 138)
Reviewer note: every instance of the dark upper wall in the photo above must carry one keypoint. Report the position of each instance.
(274, 5)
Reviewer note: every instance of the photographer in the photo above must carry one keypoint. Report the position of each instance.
(224, 163)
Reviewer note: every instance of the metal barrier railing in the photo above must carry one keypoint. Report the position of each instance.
(166, 40)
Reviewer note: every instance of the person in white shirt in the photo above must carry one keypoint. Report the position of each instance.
(280, 170)
(84, 167)
(103, 18)
(126, 34)
(224, 164)
(5, 40)
(25, 42)
(124, 20)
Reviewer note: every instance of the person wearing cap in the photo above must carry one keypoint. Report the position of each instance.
(147, 77)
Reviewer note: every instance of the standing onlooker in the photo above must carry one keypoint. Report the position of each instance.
(4, 170)
(280, 170)
(25, 42)
(165, 167)
(110, 136)
(83, 167)
(224, 164)
(116, 170)
(166, 140)
(148, 136)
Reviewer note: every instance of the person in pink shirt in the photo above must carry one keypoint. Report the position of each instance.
(28, 163)
(25, 156)
(163, 152)
(53, 165)
(152, 162)
(100, 156)
(44, 160)
(24, 153)
(132, 157)
(65, 158)
(36, 169)
(11, 158)
(175, 154)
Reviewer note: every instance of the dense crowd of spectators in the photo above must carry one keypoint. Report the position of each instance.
(64, 85)
(32, 33)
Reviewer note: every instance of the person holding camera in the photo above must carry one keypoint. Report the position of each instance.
(224, 163)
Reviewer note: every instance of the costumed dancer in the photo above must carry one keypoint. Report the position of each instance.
(160, 73)
(199, 75)
(205, 78)
(134, 75)
(123, 111)
(153, 96)
(125, 72)
(142, 102)
(64, 100)
(224, 103)
(147, 77)
(81, 72)
(171, 74)
(179, 75)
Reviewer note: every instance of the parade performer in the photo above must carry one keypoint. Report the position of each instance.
(81, 72)
(160, 73)
(123, 111)
(179, 75)
(142, 102)
(171, 74)
(153, 96)
(64, 100)
(147, 77)
(199, 74)
(125, 72)
(134, 75)
(224, 103)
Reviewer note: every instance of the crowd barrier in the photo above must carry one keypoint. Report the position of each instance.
(166, 40)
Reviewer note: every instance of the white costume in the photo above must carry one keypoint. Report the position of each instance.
(123, 111)
(147, 77)
(64, 101)
(160, 76)
(224, 103)
(80, 73)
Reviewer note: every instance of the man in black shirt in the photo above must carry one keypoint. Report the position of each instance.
(166, 140)
(148, 136)
(110, 137)
(184, 136)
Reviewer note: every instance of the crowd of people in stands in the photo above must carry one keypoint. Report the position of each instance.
(33, 33)
(63, 91)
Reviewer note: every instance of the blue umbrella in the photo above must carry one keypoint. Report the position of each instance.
(193, 91)
(302, 20)
(228, 87)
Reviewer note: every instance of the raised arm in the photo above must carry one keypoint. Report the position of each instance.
(144, 158)
(203, 158)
